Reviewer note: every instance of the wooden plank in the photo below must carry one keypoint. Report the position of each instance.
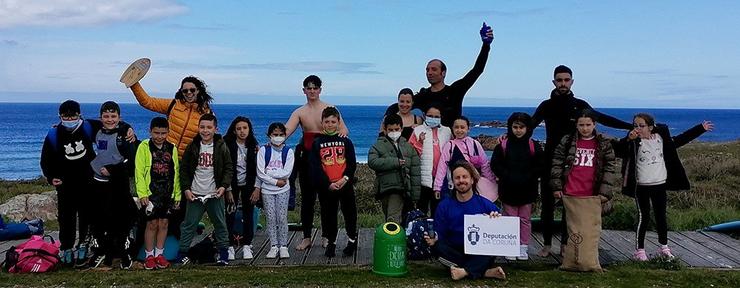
(707, 247)
(612, 245)
(291, 251)
(537, 237)
(678, 249)
(714, 260)
(365, 242)
(728, 241)
(341, 243)
(722, 248)
(315, 255)
(298, 257)
(259, 242)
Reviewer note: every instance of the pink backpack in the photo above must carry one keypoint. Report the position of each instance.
(36, 256)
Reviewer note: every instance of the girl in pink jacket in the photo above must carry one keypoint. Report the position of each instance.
(462, 146)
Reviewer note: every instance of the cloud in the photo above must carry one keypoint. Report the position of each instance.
(217, 27)
(11, 43)
(305, 66)
(17, 13)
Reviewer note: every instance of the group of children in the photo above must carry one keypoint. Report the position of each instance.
(90, 163)
(583, 165)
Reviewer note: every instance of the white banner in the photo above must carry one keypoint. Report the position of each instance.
(491, 236)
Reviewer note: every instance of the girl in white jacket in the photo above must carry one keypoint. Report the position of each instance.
(428, 140)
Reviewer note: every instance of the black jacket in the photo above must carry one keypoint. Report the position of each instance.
(560, 112)
(251, 159)
(518, 170)
(676, 174)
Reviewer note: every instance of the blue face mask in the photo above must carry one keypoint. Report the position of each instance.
(433, 122)
(71, 124)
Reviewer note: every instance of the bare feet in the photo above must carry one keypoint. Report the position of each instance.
(458, 273)
(305, 243)
(545, 251)
(324, 242)
(496, 272)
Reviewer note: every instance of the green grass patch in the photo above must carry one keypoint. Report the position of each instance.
(519, 275)
(12, 188)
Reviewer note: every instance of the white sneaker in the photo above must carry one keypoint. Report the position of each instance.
(510, 258)
(247, 250)
(523, 255)
(231, 253)
(284, 252)
(272, 253)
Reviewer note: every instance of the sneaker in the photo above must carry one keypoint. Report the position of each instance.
(324, 242)
(247, 252)
(150, 263)
(350, 249)
(67, 257)
(330, 250)
(665, 251)
(161, 262)
(81, 256)
(126, 262)
(284, 252)
(523, 255)
(183, 259)
(640, 255)
(272, 253)
(98, 262)
(231, 253)
(510, 258)
(223, 257)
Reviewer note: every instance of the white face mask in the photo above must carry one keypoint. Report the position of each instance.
(277, 140)
(433, 122)
(394, 135)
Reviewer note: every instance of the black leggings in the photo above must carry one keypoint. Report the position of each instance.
(644, 195)
(427, 202)
(244, 193)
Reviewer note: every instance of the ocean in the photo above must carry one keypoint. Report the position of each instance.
(24, 126)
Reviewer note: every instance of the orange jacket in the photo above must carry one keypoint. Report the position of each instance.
(183, 118)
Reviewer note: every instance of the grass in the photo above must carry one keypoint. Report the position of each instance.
(420, 274)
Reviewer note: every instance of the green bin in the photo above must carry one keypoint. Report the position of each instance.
(389, 251)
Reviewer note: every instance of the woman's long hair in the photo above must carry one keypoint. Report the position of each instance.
(203, 99)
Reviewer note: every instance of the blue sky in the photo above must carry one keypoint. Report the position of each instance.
(673, 54)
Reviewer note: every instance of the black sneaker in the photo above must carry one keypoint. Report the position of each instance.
(126, 262)
(330, 250)
(350, 249)
(223, 257)
(98, 261)
(183, 260)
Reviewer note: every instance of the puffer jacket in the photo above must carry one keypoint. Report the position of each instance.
(676, 174)
(183, 118)
(426, 150)
(606, 178)
(389, 174)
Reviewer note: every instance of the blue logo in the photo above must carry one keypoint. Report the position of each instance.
(473, 236)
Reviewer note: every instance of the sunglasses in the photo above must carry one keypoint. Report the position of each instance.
(186, 90)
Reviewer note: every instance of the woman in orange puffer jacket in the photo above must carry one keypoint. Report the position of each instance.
(191, 101)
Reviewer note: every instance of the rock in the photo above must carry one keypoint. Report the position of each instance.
(488, 142)
(494, 124)
(31, 206)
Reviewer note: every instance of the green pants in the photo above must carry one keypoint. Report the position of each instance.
(216, 209)
(392, 207)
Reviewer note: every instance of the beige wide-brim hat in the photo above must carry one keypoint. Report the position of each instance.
(135, 71)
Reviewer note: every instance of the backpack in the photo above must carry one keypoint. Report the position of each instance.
(531, 146)
(417, 223)
(268, 154)
(86, 128)
(33, 256)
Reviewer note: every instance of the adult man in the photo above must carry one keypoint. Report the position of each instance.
(450, 96)
(308, 117)
(559, 113)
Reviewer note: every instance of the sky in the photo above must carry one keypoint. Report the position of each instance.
(668, 54)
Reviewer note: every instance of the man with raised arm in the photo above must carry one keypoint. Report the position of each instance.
(450, 96)
(308, 117)
(559, 113)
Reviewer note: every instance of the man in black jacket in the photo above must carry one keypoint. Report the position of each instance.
(560, 115)
(450, 96)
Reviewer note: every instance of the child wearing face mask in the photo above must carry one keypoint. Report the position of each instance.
(397, 169)
(428, 140)
(462, 147)
(274, 166)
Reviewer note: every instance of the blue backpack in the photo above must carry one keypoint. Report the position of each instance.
(86, 128)
(417, 224)
(268, 154)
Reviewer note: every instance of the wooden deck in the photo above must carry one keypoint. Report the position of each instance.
(694, 249)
